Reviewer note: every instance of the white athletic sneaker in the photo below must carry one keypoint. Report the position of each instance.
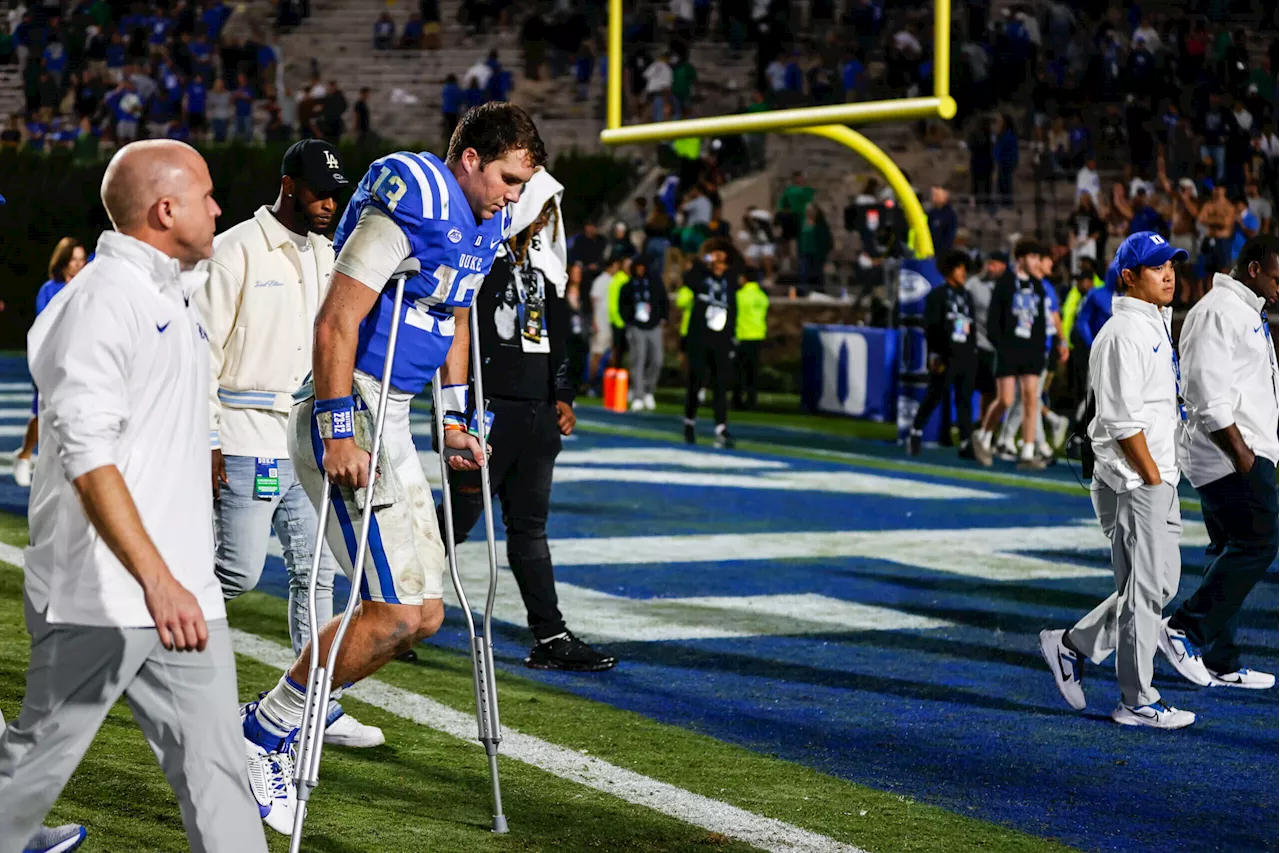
(271, 780)
(1006, 452)
(637, 405)
(702, 395)
(1045, 452)
(59, 839)
(22, 471)
(1245, 678)
(1184, 656)
(346, 730)
(1058, 426)
(1067, 668)
(649, 402)
(1157, 716)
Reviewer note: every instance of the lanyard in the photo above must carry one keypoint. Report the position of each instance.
(519, 273)
(1271, 355)
(1177, 375)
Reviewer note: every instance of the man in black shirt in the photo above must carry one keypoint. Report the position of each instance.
(709, 344)
(953, 362)
(525, 326)
(643, 304)
(588, 249)
(1017, 328)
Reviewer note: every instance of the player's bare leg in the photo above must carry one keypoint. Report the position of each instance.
(377, 635)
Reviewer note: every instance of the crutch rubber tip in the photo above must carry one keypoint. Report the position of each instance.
(500, 824)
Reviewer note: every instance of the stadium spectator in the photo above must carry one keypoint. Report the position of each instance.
(943, 221)
(1005, 154)
(657, 237)
(450, 106)
(411, 36)
(364, 129)
(683, 78)
(588, 249)
(981, 160)
(384, 31)
(813, 246)
(533, 44)
(644, 308)
(952, 363)
(1217, 218)
(333, 108)
(1086, 232)
(658, 78)
(1259, 206)
(243, 99)
(220, 109)
(1141, 215)
(756, 236)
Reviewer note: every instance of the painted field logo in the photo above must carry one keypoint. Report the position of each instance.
(455, 236)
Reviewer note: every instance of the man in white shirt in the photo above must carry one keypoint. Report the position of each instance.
(267, 278)
(120, 594)
(1087, 180)
(1133, 379)
(477, 76)
(1229, 451)
(658, 78)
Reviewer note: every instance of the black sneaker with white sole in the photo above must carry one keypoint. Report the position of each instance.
(566, 652)
(724, 440)
(690, 435)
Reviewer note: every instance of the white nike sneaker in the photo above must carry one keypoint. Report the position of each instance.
(1067, 668)
(22, 471)
(346, 730)
(1184, 656)
(1157, 715)
(271, 779)
(637, 405)
(1058, 426)
(1246, 678)
(649, 402)
(1045, 452)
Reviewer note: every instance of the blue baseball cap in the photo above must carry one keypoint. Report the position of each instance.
(1144, 249)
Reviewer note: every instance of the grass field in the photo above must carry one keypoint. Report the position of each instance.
(824, 647)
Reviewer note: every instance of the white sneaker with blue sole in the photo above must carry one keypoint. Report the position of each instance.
(57, 839)
(1157, 715)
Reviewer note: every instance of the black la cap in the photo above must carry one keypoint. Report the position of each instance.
(317, 164)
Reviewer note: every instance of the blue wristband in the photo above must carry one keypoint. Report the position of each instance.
(335, 418)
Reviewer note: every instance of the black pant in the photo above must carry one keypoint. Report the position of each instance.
(959, 378)
(1240, 515)
(708, 362)
(746, 371)
(525, 441)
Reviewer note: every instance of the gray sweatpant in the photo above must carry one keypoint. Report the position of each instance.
(646, 360)
(184, 702)
(1144, 526)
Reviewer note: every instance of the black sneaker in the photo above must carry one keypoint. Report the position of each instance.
(966, 451)
(913, 445)
(568, 653)
(723, 439)
(690, 437)
(408, 657)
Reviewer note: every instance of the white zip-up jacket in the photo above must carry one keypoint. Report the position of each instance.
(1229, 377)
(122, 366)
(260, 307)
(1133, 382)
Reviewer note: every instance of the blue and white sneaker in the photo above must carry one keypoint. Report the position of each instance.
(1157, 715)
(60, 839)
(270, 760)
(1066, 666)
(342, 729)
(1249, 679)
(1183, 654)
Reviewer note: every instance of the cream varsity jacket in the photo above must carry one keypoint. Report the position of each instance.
(260, 306)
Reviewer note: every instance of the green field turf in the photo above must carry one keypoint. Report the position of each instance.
(425, 790)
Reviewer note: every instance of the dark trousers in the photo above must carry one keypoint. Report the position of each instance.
(746, 372)
(1240, 515)
(708, 362)
(525, 440)
(959, 378)
(618, 352)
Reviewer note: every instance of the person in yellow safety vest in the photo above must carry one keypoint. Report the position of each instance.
(684, 301)
(752, 326)
(619, 325)
(1084, 281)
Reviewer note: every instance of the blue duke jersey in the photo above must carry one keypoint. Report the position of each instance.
(421, 195)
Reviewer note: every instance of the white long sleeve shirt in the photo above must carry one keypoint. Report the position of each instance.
(1229, 376)
(1133, 381)
(264, 289)
(122, 366)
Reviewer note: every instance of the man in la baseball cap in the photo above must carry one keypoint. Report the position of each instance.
(267, 279)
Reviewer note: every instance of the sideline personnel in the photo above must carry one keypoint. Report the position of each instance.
(524, 348)
(267, 278)
(1230, 452)
(1133, 378)
(948, 313)
(120, 597)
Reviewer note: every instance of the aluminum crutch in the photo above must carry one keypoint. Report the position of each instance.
(306, 773)
(486, 688)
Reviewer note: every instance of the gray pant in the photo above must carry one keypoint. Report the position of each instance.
(646, 359)
(242, 528)
(184, 702)
(1144, 526)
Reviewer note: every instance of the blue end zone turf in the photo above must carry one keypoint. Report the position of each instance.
(964, 715)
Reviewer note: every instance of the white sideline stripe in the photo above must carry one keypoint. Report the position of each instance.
(712, 815)
(17, 386)
(844, 482)
(10, 397)
(664, 456)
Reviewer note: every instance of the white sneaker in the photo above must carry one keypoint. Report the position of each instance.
(1067, 668)
(1157, 716)
(637, 405)
(1058, 426)
(271, 780)
(649, 402)
(346, 730)
(1245, 678)
(1045, 452)
(1184, 656)
(702, 395)
(22, 471)
(1007, 452)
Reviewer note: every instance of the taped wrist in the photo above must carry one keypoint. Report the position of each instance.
(453, 398)
(335, 418)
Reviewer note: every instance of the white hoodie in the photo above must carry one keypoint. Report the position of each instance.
(550, 255)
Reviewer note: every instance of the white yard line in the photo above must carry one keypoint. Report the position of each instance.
(765, 833)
